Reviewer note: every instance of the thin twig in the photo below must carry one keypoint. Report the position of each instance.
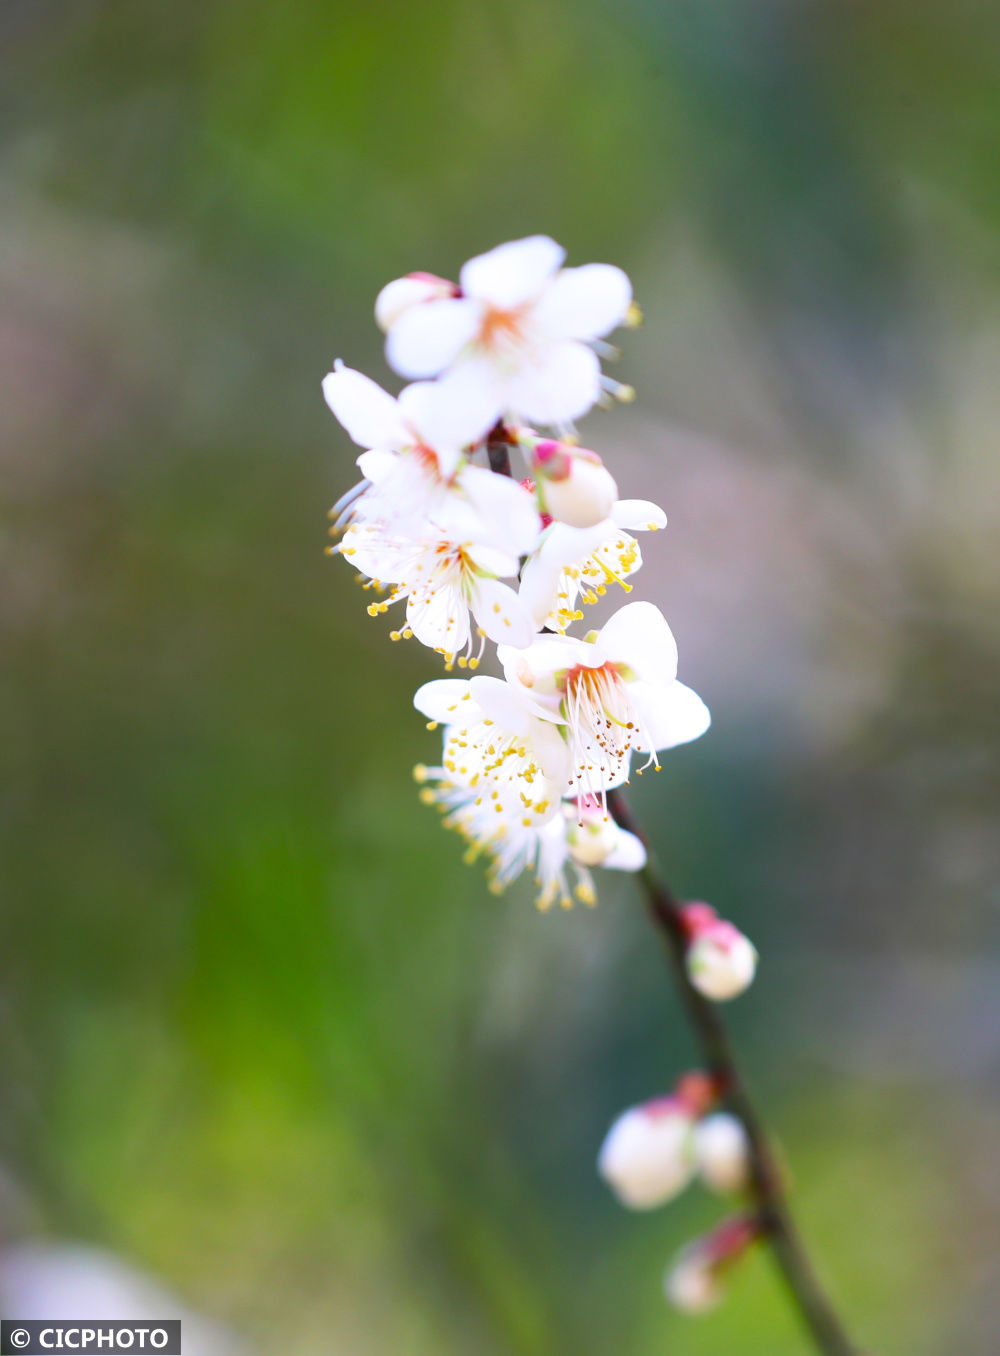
(766, 1179)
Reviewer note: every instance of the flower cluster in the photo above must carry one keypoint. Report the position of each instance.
(502, 363)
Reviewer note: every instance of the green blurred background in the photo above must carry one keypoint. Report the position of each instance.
(261, 1034)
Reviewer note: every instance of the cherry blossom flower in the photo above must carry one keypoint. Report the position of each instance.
(614, 692)
(518, 339)
(493, 791)
(573, 564)
(449, 574)
(414, 448)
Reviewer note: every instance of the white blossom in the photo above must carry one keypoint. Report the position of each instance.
(449, 574)
(574, 565)
(414, 449)
(517, 340)
(613, 692)
(492, 789)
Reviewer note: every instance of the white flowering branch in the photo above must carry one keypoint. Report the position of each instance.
(765, 1179)
(533, 762)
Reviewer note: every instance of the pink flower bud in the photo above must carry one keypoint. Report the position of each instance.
(591, 833)
(576, 487)
(695, 1281)
(721, 961)
(402, 293)
(647, 1156)
(722, 1152)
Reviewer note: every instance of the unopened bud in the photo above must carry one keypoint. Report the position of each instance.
(722, 1152)
(576, 487)
(695, 1281)
(721, 961)
(591, 833)
(402, 293)
(647, 1156)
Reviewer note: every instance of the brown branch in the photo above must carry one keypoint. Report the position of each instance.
(766, 1182)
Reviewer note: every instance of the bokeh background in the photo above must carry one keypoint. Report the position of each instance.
(263, 1037)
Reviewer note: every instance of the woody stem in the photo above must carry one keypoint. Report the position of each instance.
(766, 1185)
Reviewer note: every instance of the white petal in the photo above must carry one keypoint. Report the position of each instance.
(532, 672)
(491, 560)
(669, 715)
(583, 303)
(369, 414)
(558, 383)
(638, 635)
(448, 701)
(426, 338)
(473, 393)
(552, 752)
(501, 614)
(628, 854)
(540, 585)
(637, 515)
(376, 465)
(501, 703)
(427, 413)
(402, 293)
(441, 620)
(508, 512)
(513, 273)
(561, 546)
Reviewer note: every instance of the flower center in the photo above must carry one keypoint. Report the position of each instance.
(502, 331)
(601, 724)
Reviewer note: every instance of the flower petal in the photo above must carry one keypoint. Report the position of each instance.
(628, 853)
(638, 636)
(447, 700)
(511, 274)
(377, 465)
(501, 614)
(583, 303)
(500, 703)
(508, 512)
(558, 383)
(669, 715)
(440, 619)
(473, 394)
(637, 515)
(426, 338)
(430, 417)
(561, 546)
(369, 414)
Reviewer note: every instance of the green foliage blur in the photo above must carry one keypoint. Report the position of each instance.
(261, 1032)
